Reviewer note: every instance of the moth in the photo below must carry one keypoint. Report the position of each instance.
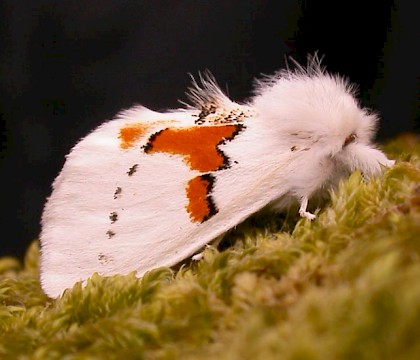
(150, 189)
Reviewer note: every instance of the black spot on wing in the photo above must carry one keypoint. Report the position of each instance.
(110, 234)
(132, 170)
(113, 217)
(117, 193)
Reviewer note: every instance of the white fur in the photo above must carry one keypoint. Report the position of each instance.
(304, 131)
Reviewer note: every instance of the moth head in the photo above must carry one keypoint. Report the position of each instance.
(357, 151)
(316, 114)
(354, 125)
(350, 144)
(317, 108)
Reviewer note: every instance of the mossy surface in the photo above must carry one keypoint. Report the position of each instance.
(346, 286)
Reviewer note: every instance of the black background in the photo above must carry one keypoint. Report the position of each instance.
(65, 67)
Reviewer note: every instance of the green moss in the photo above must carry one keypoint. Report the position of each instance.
(346, 286)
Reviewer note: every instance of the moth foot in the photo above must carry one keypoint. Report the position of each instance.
(302, 209)
(307, 214)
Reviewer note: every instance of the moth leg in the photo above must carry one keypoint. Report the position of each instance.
(215, 243)
(302, 209)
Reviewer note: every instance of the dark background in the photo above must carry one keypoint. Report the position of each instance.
(65, 67)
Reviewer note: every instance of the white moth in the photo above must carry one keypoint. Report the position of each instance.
(150, 189)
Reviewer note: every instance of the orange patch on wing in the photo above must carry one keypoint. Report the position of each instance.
(200, 204)
(198, 145)
(130, 134)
